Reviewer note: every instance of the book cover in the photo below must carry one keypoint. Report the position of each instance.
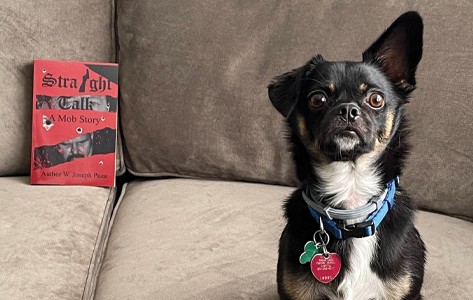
(74, 124)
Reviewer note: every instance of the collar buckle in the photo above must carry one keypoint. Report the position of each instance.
(358, 230)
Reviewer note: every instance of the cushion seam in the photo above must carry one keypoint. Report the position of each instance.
(109, 230)
(101, 229)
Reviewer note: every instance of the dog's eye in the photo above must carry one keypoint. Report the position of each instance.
(376, 100)
(317, 100)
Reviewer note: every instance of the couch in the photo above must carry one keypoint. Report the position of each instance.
(203, 166)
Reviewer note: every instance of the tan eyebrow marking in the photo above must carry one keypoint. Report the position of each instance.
(363, 87)
(331, 86)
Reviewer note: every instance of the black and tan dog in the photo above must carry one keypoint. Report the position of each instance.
(348, 132)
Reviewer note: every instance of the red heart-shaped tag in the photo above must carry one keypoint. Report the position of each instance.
(325, 269)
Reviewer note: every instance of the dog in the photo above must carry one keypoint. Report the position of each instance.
(348, 131)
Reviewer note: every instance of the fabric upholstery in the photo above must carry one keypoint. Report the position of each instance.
(193, 239)
(197, 71)
(57, 30)
(194, 77)
(52, 239)
(439, 173)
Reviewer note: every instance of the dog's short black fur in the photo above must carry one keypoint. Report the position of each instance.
(347, 118)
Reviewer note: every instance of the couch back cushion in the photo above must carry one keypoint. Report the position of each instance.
(57, 30)
(194, 76)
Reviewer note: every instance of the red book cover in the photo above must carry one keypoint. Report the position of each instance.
(74, 128)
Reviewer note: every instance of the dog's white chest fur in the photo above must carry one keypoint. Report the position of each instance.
(352, 185)
(360, 282)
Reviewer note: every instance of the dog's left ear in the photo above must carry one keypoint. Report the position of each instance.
(399, 49)
(283, 91)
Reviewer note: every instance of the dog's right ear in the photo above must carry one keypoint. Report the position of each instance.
(283, 91)
(398, 50)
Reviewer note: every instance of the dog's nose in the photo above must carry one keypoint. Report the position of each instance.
(349, 111)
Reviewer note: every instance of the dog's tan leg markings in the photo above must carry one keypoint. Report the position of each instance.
(300, 286)
(397, 289)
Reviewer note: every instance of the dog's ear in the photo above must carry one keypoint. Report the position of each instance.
(284, 90)
(399, 49)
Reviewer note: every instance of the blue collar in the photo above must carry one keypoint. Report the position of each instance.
(375, 211)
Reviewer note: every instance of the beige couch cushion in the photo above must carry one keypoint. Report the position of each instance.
(52, 239)
(194, 77)
(190, 239)
(58, 30)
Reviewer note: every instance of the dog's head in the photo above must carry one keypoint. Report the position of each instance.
(342, 110)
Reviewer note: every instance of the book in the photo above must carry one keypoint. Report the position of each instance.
(74, 123)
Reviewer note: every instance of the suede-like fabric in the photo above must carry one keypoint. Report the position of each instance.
(193, 239)
(193, 90)
(194, 77)
(439, 173)
(57, 30)
(52, 239)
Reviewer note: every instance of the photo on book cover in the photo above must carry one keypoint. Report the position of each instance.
(98, 142)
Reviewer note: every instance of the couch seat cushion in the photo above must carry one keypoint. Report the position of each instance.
(192, 239)
(51, 239)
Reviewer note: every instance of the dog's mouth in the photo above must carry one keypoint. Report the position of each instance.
(349, 132)
(347, 139)
(344, 143)
(346, 131)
